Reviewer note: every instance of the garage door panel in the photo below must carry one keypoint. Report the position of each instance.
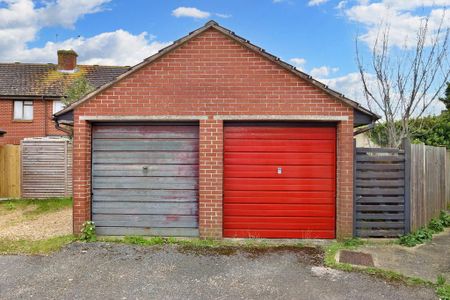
(282, 194)
(145, 179)
(261, 207)
(271, 184)
(145, 132)
(162, 221)
(285, 135)
(279, 200)
(268, 171)
(281, 220)
(280, 133)
(277, 213)
(156, 157)
(306, 234)
(186, 145)
(315, 146)
(280, 226)
(145, 195)
(139, 208)
(304, 159)
(279, 181)
(163, 183)
(156, 231)
(137, 170)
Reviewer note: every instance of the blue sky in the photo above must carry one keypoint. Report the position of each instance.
(287, 29)
(318, 36)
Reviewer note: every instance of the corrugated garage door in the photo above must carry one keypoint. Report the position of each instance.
(145, 179)
(279, 180)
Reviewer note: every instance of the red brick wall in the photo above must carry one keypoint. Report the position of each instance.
(213, 75)
(18, 130)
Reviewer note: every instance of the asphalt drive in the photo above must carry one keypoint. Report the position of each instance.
(119, 271)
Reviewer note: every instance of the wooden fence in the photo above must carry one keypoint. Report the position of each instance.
(447, 179)
(379, 187)
(399, 190)
(428, 183)
(10, 171)
(46, 168)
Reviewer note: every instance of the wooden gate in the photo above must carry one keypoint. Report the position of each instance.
(381, 192)
(9, 171)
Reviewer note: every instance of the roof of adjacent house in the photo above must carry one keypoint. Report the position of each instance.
(212, 24)
(28, 80)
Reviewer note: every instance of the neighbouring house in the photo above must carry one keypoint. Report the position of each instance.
(214, 137)
(31, 93)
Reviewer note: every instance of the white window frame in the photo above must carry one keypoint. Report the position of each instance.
(20, 110)
(55, 106)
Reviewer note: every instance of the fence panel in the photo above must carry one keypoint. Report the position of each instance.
(379, 192)
(447, 179)
(428, 183)
(10, 171)
(45, 168)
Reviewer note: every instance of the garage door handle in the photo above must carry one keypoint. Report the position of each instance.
(280, 170)
(145, 168)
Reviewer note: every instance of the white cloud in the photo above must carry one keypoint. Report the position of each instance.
(323, 71)
(22, 22)
(350, 85)
(109, 48)
(403, 17)
(298, 62)
(341, 5)
(316, 2)
(190, 12)
(223, 16)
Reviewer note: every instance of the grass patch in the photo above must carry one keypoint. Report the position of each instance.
(443, 291)
(35, 207)
(8, 246)
(192, 242)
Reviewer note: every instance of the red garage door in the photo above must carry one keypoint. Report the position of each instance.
(279, 180)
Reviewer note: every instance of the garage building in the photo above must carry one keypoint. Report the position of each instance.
(214, 137)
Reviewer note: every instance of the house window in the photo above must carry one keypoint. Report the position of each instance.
(57, 106)
(23, 110)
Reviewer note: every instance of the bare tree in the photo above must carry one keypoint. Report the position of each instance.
(402, 83)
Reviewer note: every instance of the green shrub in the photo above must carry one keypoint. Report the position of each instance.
(88, 232)
(436, 225)
(418, 237)
(445, 218)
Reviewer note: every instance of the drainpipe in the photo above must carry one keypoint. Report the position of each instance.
(45, 115)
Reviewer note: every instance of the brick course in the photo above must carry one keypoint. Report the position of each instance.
(211, 75)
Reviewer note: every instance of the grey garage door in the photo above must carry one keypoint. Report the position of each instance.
(145, 179)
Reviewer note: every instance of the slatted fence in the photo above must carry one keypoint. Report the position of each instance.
(379, 186)
(399, 190)
(46, 168)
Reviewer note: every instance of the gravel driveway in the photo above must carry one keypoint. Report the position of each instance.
(118, 271)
